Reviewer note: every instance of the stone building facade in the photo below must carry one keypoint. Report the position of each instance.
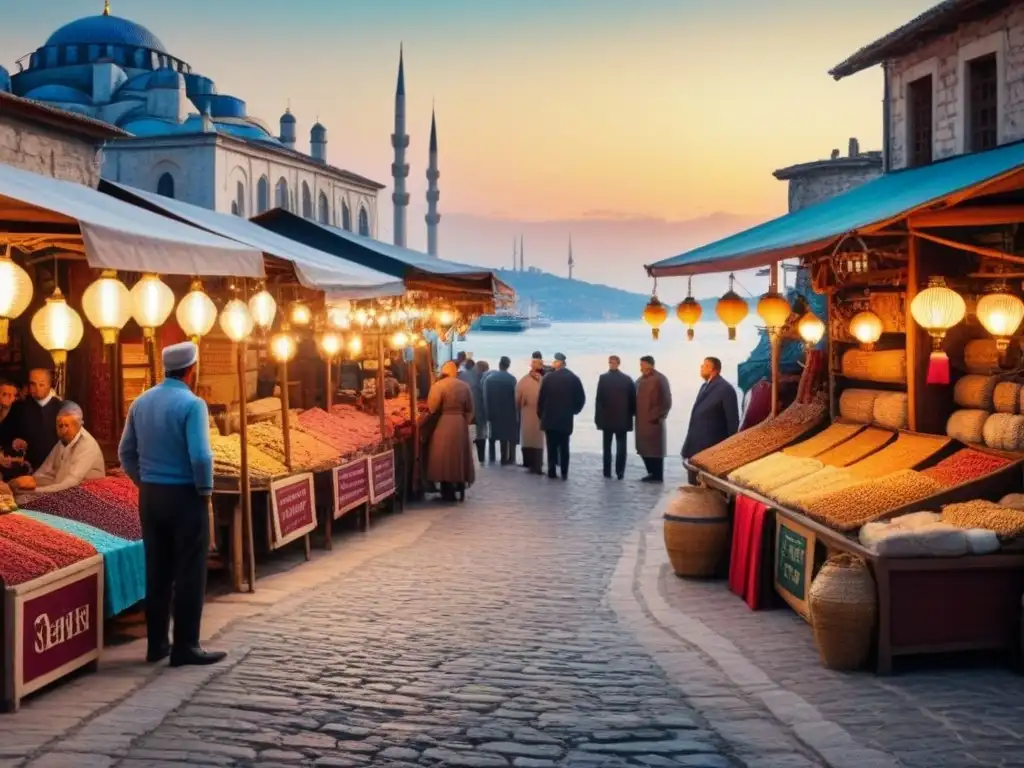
(813, 182)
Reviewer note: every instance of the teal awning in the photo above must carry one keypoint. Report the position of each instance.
(874, 204)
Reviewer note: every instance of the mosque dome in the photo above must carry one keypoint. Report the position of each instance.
(106, 30)
(318, 132)
(288, 117)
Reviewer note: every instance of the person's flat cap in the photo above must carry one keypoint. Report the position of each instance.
(177, 357)
(559, 356)
(538, 356)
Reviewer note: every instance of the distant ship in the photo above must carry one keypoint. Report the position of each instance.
(536, 319)
(503, 323)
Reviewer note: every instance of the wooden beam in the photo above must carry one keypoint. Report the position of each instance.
(913, 347)
(981, 250)
(973, 216)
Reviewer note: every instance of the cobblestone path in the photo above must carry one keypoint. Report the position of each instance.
(488, 642)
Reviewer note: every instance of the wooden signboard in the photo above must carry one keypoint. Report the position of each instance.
(351, 484)
(794, 563)
(52, 626)
(382, 476)
(292, 509)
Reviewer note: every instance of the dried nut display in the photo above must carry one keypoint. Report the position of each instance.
(829, 437)
(1007, 523)
(974, 391)
(967, 426)
(964, 466)
(858, 405)
(227, 459)
(849, 508)
(1004, 432)
(856, 448)
(308, 452)
(907, 452)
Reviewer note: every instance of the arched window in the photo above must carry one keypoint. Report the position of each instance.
(281, 194)
(307, 202)
(165, 185)
(262, 195)
(346, 217)
(364, 222)
(324, 214)
(238, 208)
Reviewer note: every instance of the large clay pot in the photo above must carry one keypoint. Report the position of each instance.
(843, 606)
(696, 531)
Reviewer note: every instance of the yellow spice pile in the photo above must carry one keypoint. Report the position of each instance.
(849, 508)
(906, 452)
(227, 460)
(829, 437)
(856, 448)
(828, 479)
(1006, 522)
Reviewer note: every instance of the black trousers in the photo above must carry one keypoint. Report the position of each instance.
(620, 453)
(533, 460)
(481, 450)
(176, 537)
(655, 467)
(507, 452)
(558, 452)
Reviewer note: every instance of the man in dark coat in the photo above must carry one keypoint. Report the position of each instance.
(473, 380)
(653, 403)
(614, 410)
(500, 404)
(561, 400)
(715, 414)
(36, 419)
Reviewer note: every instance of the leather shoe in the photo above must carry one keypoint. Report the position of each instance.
(196, 657)
(154, 655)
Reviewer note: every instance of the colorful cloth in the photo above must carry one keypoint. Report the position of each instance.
(124, 562)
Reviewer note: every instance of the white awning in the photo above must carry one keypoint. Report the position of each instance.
(337, 278)
(118, 235)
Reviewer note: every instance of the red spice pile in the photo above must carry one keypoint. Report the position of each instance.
(78, 504)
(114, 489)
(61, 547)
(965, 465)
(19, 564)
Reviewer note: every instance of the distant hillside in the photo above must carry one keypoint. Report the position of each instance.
(577, 301)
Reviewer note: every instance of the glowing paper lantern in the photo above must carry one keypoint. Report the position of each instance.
(338, 317)
(400, 340)
(301, 314)
(355, 345)
(866, 328)
(236, 320)
(731, 309)
(263, 309)
(282, 345)
(655, 314)
(330, 344)
(689, 311)
(107, 304)
(196, 312)
(774, 310)
(937, 309)
(1001, 313)
(57, 327)
(811, 329)
(153, 301)
(15, 293)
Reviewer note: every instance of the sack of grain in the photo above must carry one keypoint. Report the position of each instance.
(858, 405)
(891, 410)
(1007, 523)
(967, 425)
(888, 366)
(1006, 397)
(1004, 432)
(981, 356)
(973, 391)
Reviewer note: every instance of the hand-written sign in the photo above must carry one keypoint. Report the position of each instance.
(61, 626)
(382, 476)
(293, 508)
(794, 562)
(351, 486)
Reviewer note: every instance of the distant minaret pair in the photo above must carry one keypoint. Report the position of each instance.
(517, 261)
(400, 169)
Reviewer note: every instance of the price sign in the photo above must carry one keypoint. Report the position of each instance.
(382, 476)
(794, 563)
(292, 508)
(351, 486)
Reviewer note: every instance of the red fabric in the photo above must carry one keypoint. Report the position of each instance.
(760, 406)
(747, 537)
(756, 555)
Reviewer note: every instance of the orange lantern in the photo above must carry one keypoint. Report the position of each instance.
(731, 309)
(689, 311)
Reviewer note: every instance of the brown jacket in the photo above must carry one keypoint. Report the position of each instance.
(449, 453)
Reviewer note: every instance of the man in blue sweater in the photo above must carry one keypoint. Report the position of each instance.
(165, 450)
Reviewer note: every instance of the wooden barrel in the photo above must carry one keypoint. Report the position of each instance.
(696, 531)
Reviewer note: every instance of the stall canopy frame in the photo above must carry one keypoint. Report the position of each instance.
(314, 269)
(39, 212)
(418, 270)
(875, 207)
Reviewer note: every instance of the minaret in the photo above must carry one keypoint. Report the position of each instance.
(288, 129)
(399, 168)
(515, 255)
(433, 194)
(522, 263)
(571, 262)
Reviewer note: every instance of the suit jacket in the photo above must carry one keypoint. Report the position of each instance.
(561, 399)
(715, 416)
(615, 403)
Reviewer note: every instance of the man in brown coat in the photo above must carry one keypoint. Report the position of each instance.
(449, 452)
(653, 402)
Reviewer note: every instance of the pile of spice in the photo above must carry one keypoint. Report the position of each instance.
(849, 508)
(793, 494)
(333, 430)
(774, 471)
(227, 459)
(309, 453)
(829, 437)
(62, 548)
(907, 452)
(856, 448)
(964, 466)
(19, 564)
(78, 504)
(1006, 522)
(114, 489)
(363, 428)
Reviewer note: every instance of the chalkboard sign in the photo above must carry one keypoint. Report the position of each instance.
(794, 563)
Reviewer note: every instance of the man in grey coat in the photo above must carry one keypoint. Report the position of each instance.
(500, 405)
(653, 402)
(614, 409)
(715, 414)
(473, 379)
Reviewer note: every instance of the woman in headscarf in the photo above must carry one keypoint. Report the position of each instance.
(449, 455)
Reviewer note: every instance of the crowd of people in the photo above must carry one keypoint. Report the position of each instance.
(476, 410)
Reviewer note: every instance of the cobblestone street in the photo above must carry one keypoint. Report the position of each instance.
(533, 626)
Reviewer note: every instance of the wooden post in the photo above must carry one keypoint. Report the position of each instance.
(245, 491)
(774, 337)
(414, 473)
(833, 401)
(380, 385)
(285, 416)
(913, 347)
(328, 385)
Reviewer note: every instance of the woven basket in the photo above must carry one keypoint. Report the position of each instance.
(696, 531)
(1003, 431)
(982, 356)
(891, 410)
(889, 366)
(966, 426)
(974, 391)
(1006, 397)
(843, 607)
(858, 405)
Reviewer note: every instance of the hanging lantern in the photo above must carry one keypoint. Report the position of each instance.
(362, 317)
(301, 314)
(774, 310)
(15, 293)
(153, 301)
(355, 346)
(655, 314)
(330, 344)
(866, 328)
(338, 317)
(282, 344)
(263, 309)
(811, 329)
(446, 318)
(1001, 313)
(57, 327)
(937, 309)
(400, 340)
(236, 320)
(196, 312)
(731, 309)
(689, 311)
(107, 304)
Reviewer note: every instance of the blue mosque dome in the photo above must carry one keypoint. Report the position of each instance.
(54, 92)
(106, 30)
(318, 132)
(288, 117)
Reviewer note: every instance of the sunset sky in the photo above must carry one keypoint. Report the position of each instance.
(547, 110)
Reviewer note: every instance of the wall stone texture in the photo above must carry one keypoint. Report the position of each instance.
(822, 183)
(48, 152)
